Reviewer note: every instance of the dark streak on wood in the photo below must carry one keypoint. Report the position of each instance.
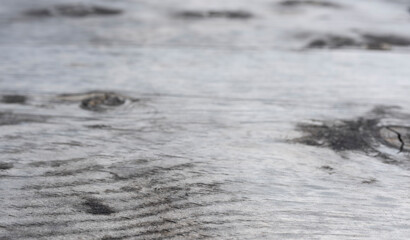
(74, 10)
(228, 14)
(295, 3)
(362, 134)
(96, 207)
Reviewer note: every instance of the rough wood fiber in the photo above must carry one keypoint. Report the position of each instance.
(204, 120)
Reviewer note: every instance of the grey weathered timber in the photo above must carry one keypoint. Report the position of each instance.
(236, 119)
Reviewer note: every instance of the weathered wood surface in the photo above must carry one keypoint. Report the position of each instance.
(209, 119)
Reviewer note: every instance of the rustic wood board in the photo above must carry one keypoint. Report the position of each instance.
(229, 129)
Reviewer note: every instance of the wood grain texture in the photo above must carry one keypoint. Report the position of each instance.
(149, 125)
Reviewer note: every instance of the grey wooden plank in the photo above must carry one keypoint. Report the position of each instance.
(218, 133)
